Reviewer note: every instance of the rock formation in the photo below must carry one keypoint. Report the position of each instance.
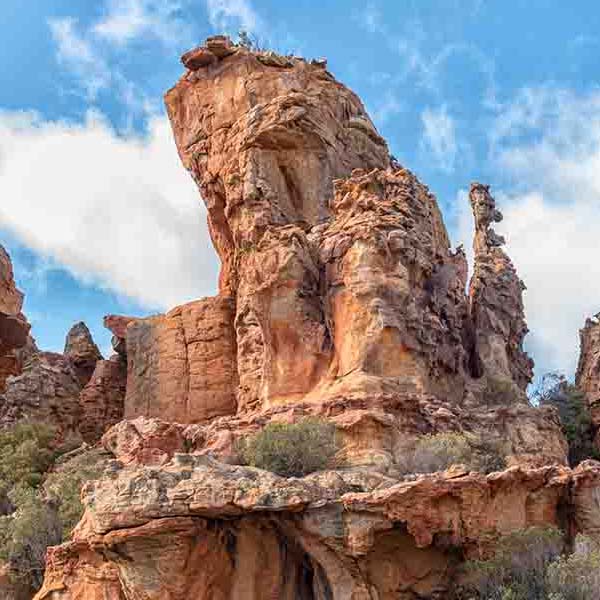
(196, 528)
(496, 298)
(82, 351)
(339, 297)
(77, 392)
(14, 329)
(587, 378)
(339, 291)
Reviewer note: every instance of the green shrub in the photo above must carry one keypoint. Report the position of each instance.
(575, 417)
(576, 577)
(25, 535)
(437, 452)
(63, 486)
(517, 571)
(291, 450)
(25, 454)
(500, 392)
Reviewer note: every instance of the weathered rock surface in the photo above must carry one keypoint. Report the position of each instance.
(46, 391)
(195, 528)
(14, 328)
(338, 284)
(496, 298)
(82, 351)
(101, 401)
(181, 366)
(339, 297)
(587, 378)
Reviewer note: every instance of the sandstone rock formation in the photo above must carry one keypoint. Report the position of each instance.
(339, 297)
(587, 378)
(196, 528)
(14, 328)
(82, 351)
(496, 298)
(338, 285)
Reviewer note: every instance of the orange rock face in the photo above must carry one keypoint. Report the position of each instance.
(14, 328)
(181, 366)
(339, 297)
(195, 528)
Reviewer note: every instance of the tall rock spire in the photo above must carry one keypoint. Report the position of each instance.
(496, 298)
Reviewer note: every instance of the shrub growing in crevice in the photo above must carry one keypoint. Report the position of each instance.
(291, 450)
(437, 452)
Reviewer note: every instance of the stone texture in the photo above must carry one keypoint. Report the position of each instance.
(339, 297)
(101, 401)
(46, 391)
(181, 366)
(197, 528)
(82, 351)
(14, 329)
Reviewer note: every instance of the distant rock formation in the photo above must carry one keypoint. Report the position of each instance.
(82, 351)
(587, 378)
(77, 392)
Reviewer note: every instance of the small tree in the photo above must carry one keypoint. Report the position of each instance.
(291, 450)
(575, 417)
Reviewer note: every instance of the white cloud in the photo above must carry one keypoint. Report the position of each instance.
(126, 20)
(547, 141)
(439, 137)
(120, 211)
(232, 15)
(78, 53)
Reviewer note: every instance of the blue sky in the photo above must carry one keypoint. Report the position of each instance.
(100, 218)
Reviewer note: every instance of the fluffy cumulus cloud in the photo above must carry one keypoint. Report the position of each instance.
(547, 141)
(119, 211)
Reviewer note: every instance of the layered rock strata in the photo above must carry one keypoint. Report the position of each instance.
(196, 528)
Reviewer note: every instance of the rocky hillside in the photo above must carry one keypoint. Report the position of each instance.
(340, 301)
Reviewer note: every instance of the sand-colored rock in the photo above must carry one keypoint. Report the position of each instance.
(215, 531)
(46, 391)
(101, 401)
(587, 378)
(181, 366)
